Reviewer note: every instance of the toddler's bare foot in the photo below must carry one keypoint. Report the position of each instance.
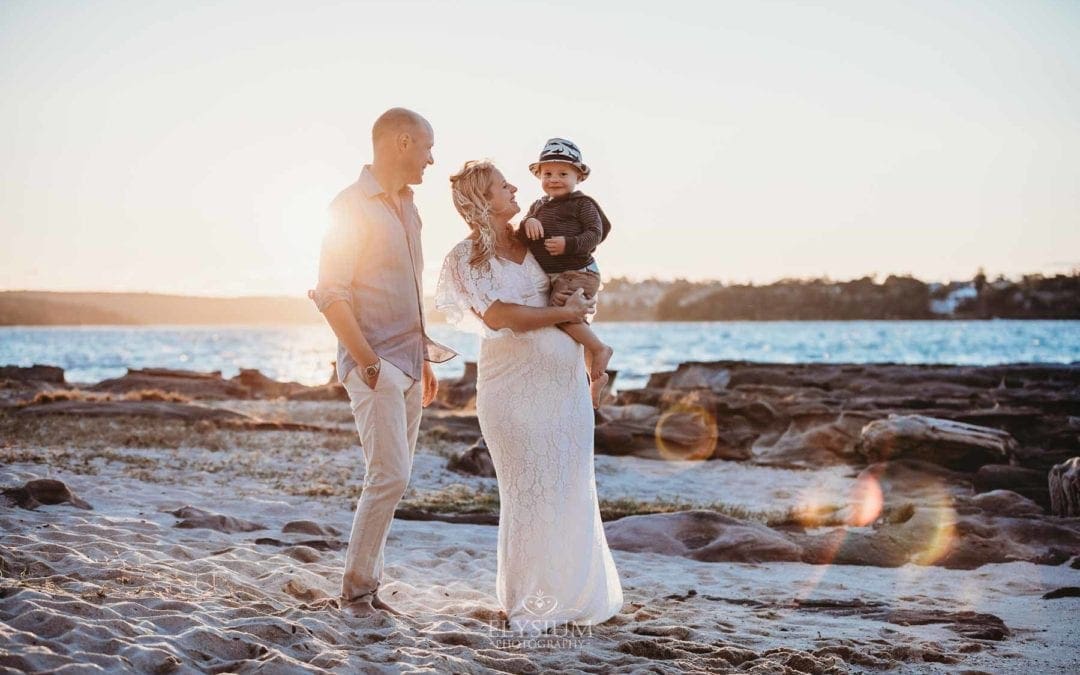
(600, 359)
(596, 388)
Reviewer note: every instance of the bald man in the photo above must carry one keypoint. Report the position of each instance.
(370, 292)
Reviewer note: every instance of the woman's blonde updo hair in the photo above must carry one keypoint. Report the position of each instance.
(469, 188)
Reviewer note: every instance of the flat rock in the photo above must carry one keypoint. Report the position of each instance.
(451, 424)
(476, 461)
(194, 384)
(1064, 592)
(1031, 483)
(310, 527)
(909, 481)
(946, 442)
(683, 431)
(698, 376)
(945, 537)
(1005, 503)
(42, 492)
(157, 409)
(404, 513)
(327, 392)
(193, 518)
(20, 384)
(312, 544)
(257, 385)
(971, 625)
(304, 554)
(34, 373)
(701, 535)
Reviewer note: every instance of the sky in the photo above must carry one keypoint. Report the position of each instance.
(157, 146)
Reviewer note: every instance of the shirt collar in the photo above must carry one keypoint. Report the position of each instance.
(562, 198)
(371, 186)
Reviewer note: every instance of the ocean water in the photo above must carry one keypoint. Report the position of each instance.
(303, 353)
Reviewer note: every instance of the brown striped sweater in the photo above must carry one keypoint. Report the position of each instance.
(575, 216)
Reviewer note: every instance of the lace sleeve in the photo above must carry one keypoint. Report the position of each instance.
(464, 292)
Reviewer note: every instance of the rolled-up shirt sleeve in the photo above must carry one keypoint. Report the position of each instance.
(337, 262)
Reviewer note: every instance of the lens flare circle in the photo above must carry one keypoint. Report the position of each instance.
(865, 501)
(686, 432)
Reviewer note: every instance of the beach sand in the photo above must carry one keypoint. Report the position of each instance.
(122, 587)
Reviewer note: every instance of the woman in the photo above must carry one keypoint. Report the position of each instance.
(532, 399)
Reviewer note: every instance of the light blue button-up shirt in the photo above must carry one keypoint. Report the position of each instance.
(372, 259)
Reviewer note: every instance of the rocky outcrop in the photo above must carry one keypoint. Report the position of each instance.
(261, 386)
(1032, 483)
(34, 373)
(899, 512)
(451, 425)
(807, 415)
(248, 384)
(476, 461)
(701, 535)
(405, 513)
(1005, 503)
(189, 383)
(953, 444)
(972, 625)
(19, 384)
(679, 432)
(811, 441)
(459, 394)
(310, 527)
(326, 392)
(1065, 488)
(947, 538)
(996, 528)
(810, 415)
(188, 412)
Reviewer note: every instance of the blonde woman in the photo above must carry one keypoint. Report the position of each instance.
(535, 411)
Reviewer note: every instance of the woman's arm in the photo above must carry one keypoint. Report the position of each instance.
(520, 318)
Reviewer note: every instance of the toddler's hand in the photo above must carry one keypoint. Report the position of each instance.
(534, 229)
(578, 306)
(555, 245)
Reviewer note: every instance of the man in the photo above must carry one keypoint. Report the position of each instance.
(370, 293)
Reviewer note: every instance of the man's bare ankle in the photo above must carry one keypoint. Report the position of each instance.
(380, 604)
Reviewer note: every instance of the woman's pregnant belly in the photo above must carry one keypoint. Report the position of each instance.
(543, 354)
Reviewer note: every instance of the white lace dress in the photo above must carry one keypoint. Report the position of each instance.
(532, 399)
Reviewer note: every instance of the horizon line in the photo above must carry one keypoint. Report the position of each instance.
(627, 279)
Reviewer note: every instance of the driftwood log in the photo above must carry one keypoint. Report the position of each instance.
(953, 444)
(1065, 488)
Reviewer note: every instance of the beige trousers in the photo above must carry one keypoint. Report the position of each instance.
(388, 420)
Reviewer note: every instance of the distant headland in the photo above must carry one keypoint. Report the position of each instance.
(895, 298)
(46, 308)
